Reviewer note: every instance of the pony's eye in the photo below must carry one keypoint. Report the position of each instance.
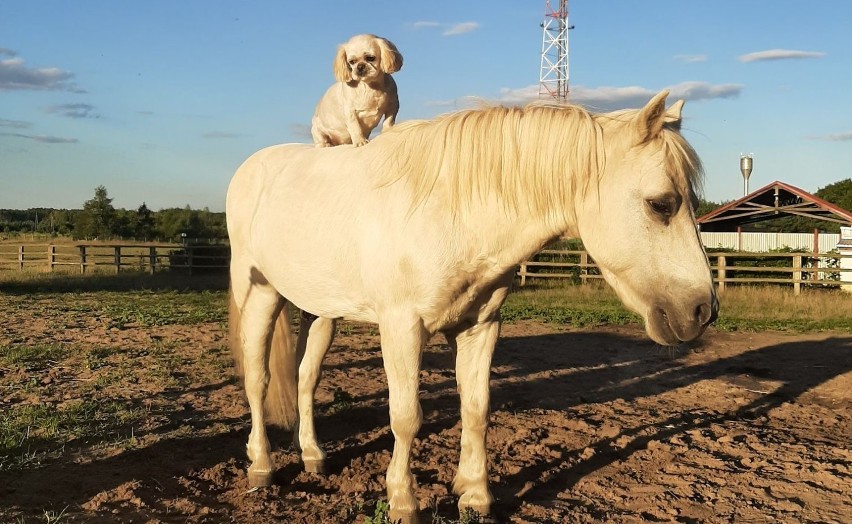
(664, 208)
(370, 58)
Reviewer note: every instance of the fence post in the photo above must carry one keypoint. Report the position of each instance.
(523, 272)
(152, 258)
(82, 259)
(21, 257)
(51, 256)
(584, 271)
(721, 271)
(189, 258)
(117, 259)
(797, 274)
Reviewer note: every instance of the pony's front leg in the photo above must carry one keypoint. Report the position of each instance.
(259, 311)
(474, 349)
(403, 338)
(315, 337)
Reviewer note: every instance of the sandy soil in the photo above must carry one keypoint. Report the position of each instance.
(593, 425)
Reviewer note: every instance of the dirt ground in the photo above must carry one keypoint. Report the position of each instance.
(592, 425)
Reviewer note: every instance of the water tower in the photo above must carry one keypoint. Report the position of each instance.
(746, 162)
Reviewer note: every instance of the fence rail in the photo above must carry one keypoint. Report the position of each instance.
(792, 269)
(120, 257)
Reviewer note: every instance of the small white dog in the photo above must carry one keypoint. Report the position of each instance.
(364, 93)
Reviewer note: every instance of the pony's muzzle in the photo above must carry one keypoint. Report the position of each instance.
(669, 324)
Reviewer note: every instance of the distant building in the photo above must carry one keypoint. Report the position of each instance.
(723, 227)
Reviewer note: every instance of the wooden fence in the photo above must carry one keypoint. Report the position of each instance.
(117, 257)
(791, 269)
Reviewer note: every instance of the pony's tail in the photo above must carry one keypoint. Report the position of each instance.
(281, 394)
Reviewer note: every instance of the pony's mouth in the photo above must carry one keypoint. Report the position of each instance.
(668, 331)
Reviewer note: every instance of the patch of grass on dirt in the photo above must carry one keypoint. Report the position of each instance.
(33, 357)
(576, 306)
(31, 433)
(381, 515)
(149, 308)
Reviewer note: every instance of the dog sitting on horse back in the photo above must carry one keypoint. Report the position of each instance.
(365, 92)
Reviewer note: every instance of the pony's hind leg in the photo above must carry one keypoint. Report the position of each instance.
(315, 337)
(474, 348)
(259, 308)
(402, 338)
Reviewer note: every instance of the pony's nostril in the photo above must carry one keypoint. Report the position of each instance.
(705, 313)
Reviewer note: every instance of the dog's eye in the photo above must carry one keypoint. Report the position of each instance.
(352, 61)
(370, 58)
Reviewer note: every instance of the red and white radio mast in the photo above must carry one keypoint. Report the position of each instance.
(553, 81)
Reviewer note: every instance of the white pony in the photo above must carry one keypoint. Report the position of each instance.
(421, 230)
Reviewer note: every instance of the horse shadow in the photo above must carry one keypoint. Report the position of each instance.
(610, 366)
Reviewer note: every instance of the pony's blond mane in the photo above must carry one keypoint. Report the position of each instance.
(537, 158)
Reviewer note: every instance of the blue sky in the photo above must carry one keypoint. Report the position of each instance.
(160, 101)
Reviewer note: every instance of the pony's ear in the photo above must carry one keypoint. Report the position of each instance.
(391, 61)
(649, 121)
(673, 119)
(341, 67)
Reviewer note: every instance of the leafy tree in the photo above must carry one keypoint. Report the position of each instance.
(838, 193)
(144, 229)
(706, 206)
(96, 220)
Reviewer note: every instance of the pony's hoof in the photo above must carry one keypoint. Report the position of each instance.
(315, 466)
(404, 517)
(259, 479)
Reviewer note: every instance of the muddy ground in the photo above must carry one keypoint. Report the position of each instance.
(591, 425)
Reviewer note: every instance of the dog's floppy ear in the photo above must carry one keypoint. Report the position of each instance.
(391, 58)
(341, 67)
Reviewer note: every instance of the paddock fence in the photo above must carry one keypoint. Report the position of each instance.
(83, 258)
(797, 270)
(728, 268)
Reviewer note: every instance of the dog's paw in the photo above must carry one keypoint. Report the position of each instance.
(359, 142)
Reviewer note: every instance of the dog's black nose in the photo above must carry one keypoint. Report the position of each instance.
(360, 68)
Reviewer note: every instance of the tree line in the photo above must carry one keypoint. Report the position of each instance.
(99, 220)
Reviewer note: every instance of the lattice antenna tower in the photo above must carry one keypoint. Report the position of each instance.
(553, 80)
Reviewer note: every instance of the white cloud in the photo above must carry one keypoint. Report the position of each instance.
(221, 134)
(459, 29)
(15, 124)
(73, 110)
(834, 137)
(449, 29)
(520, 95)
(43, 138)
(420, 24)
(15, 75)
(690, 58)
(779, 54)
(612, 98)
(606, 98)
(301, 132)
